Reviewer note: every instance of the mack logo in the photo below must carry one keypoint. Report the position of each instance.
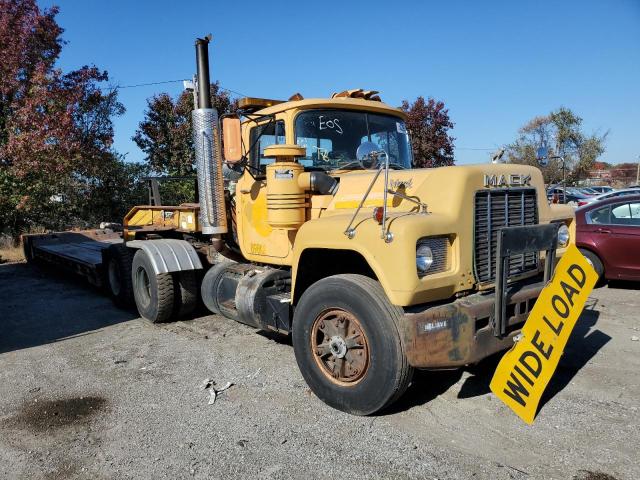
(513, 180)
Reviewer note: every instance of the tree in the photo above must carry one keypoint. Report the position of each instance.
(561, 131)
(111, 192)
(164, 135)
(55, 128)
(429, 124)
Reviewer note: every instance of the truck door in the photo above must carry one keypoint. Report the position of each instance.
(256, 237)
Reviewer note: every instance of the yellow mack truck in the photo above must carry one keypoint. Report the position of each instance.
(312, 222)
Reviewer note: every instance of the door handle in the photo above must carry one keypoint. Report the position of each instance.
(603, 230)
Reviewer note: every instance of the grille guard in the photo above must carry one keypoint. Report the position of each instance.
(514, 241)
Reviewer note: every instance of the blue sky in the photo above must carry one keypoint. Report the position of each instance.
(494, 64)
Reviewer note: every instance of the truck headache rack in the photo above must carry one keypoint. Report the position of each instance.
(519, 241)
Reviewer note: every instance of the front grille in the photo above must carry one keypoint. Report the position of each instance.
(495, 209)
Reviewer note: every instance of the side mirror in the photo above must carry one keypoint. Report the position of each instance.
(232, 139)
(365, 150)
(542, 155)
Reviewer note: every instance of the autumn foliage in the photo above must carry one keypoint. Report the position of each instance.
(164, 135)
(428, 123)
(55, 127)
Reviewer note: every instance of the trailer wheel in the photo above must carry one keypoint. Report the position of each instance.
(154, 294)
(347, 344)
(186, 292)
(27, 248)
(119, 261)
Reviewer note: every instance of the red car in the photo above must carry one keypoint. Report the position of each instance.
(608, 235)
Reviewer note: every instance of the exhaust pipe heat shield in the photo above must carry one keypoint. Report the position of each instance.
(206, 140)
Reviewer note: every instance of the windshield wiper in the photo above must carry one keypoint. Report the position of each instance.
(355, 165)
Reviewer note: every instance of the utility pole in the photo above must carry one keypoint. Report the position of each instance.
(638, 172)
(564, 175)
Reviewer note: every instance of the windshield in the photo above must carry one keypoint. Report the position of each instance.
(331, 138)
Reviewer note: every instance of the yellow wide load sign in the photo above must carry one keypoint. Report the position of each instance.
(524, 371)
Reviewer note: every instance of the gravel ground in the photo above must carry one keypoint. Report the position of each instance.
(90, 391)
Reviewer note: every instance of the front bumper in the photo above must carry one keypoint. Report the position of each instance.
(461, 332)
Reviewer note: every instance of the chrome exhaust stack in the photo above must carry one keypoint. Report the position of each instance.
(208, 149)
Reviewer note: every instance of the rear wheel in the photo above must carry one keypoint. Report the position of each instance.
(118, 275)
(154, 294)
(27, 248)
(346, 337)
(186, 292)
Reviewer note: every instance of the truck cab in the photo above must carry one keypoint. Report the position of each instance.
(432, 262)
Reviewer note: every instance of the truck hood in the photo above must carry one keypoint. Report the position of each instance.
(443, 189)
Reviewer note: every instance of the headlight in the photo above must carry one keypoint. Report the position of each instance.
(424, 259)
(563, 235)
(432, 255)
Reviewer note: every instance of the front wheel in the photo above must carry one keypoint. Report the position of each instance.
(346, 338)
(186, 293)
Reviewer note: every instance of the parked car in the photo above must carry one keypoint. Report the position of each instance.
(573, 195)
(608, 235)
(601, 188)
(589, 191)
(604, 196)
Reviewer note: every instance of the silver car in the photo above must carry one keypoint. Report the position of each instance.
(615, 193)
(602, 188)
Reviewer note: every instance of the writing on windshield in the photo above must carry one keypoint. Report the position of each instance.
(331, 137)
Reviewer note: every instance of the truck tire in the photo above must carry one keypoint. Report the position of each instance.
(154, 294)
(346, 338)
(27, 248)
(186, 292)
(119, 260)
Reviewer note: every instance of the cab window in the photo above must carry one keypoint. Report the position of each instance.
(263, 136)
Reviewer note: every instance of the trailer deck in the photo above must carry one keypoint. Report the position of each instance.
(81, 252)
